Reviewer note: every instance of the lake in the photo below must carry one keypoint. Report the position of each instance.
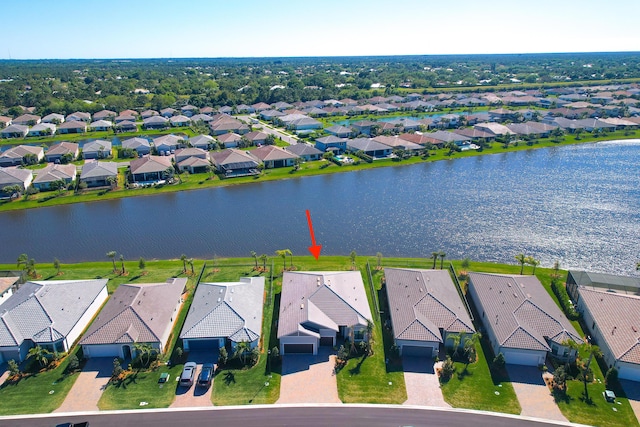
(576, 204)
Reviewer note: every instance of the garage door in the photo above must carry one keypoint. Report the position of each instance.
(204, 344)
(629, 373)
(521, 358)
(416, 351)
(103, 350)
(326, 341)
(298, 349)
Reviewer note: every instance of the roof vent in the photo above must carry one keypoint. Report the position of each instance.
(301, 306)
(515, 295)
(221, 290)
(219, 299)
(420, 290)
(634, 328)
(230, 299)
(418, 279)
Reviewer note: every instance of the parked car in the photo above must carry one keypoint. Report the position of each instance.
(188, 372)
(84, 424)
(206, 375)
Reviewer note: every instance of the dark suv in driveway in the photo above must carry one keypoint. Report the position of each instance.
(206, 375)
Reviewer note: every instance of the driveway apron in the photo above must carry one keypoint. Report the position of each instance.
(421, 382)
(88, 388)
(535, 397)
(309, 379)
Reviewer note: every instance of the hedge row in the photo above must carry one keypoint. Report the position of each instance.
(565, 302)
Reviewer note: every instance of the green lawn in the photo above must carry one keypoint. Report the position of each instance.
(141, 387)
(37, 393)
(477, 388)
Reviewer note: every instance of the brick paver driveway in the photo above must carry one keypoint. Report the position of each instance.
(308, 378)
(421, 382)
(632, 390)
(535, 397)
(4, 373)
(88, 388)
(195, 396)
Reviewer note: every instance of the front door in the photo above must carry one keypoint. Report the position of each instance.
(126, 351)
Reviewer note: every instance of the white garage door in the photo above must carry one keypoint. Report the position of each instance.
(526, 358)
(103, 350)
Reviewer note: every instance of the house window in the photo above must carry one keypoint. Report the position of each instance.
(554, 349)
(358, 335)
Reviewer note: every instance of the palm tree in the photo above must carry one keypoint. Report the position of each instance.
(264, 258)
(23, 259)
(283, 254)
(255, 257)
(379, 259)
(290, 258)
(112, 181)
(183, 258)
(441, 254)
(190, 262)
(56, 265)
(144, 351)
(470, 348)
(122, 263)
(522, 260)
(40, 355)
(370, 339)
(455, 342)
(112, 255)
(534, 262)
(353, 256)
(31, 268)
(241, 351)
(435, 258)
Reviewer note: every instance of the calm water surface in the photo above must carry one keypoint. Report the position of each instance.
(576, 204)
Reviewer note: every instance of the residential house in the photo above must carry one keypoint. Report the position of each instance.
(126, 126)
(398, 143)
(260, 106)
(225, 314)
(42, 129)
(306, 152)
(155, 122)
(193, 160)
(179, 121)
(204, 142)
(189, 110)
(168, 112)
(12, 176)
(21, 155)
(51, 314)
(150, 168)
(14, 131)
(605, 282)
(340, 131)
(613, 321)
(204, 118)
(321, 309)
(98, 149)
(223, 123)
(168, 143)
(148, 113)
(135, 314)
(331, 143)
(232, 162)
(98, 174)
(129, 113)
(304, 124)
(79, 116)
(257, 137)
(26, 120)
(364, 126)
(475, 135)
(494, 128)
(369, 147)
(140, 145)
(121, 119)
(101, 125)
(54, 173)
(521, 319)
(7, 285)
(54, 118)
(229, 140)
(68, 150)
(273, 156)
(5, 121)
(426, 310)
(105, 115)
(73, 126)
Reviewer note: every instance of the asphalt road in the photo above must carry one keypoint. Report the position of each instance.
(356, 416)
(267, 128)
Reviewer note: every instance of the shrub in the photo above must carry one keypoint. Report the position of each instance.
(498, 361)
(223, 356)
(561, 292)
(448, 369)
(74, 363)
(14, 369)
(611, 378)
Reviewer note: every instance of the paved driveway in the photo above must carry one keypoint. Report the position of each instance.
(308, 378)
(88, 388)
(632, 390)
(421, 382)
(4, 373)
(195, 396)
(535, 397)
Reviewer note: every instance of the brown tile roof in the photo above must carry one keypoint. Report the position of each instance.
(149, 164)
(272, 152)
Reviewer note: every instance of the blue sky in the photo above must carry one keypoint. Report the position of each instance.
(37, 29)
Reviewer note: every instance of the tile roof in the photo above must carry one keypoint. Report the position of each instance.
(149, 164)
(13, 176)
(272, 152)
(136, 313)
(96, 146)
(303, 149)
(314, 300)
(62, 148)
(422, 302)
(99, 170)
(46, 311)
(231, 157)
(231, 310)
(22, 150)
(135, 143)
(53, 172)
(520, 312)
(617, 317)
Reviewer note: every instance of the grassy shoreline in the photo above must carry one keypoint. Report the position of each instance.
(203, 180)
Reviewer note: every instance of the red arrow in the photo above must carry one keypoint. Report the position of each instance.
(314, 249)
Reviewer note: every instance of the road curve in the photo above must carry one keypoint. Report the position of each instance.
(276, 415)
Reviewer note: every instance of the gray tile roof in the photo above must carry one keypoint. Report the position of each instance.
(272, 153)
(135, 142)
(22, 150)
(617, 316)
(520, 311)
(46, 311)
(366, 144)
(14, 176)
(314, 300)
(136, 313)
(150, 164)
(53, 172)
(230, 310)
(422, 302)
(96, 146)
(99, 170)
(303, 149)
(63, 148)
